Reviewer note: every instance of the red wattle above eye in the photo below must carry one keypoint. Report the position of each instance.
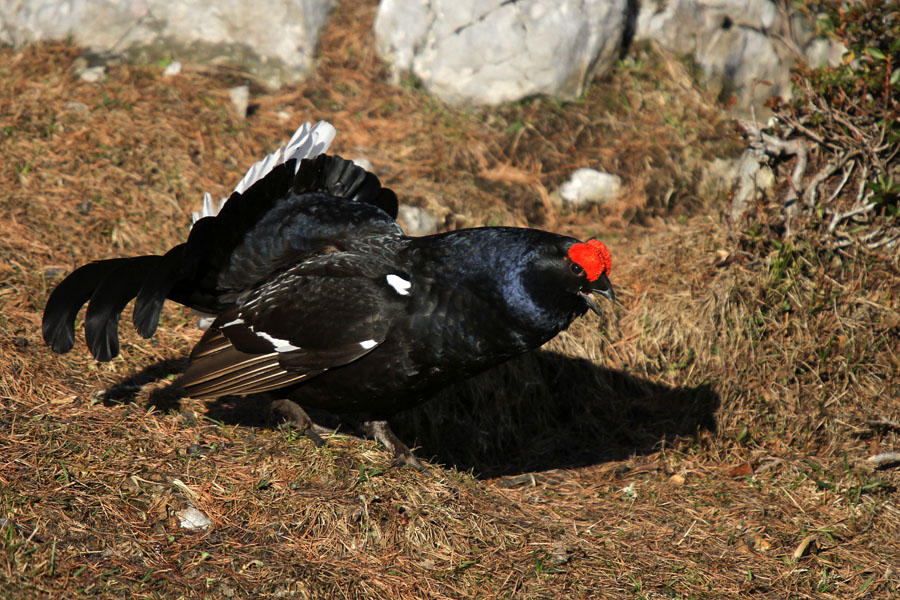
(593, 256)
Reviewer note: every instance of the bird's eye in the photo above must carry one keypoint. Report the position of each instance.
(576, 268)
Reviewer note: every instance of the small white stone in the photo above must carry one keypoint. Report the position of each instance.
(629, 492)
(589, 186)
(173, 68)
(94, 74)
(193, 519)
(417, 221)
(240, 98)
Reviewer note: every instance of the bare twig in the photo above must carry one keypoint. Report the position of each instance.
(885, 241)
(815, 137)
(847, 172)
(809, 195)
(895, 148)
(881, 422)
(768, 144)
(798, 149)
(862, 184)
(860, 136)
(872, 234)
(884, 460)
(840, 216)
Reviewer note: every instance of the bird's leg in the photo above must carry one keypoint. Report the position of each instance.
(380, 431)
(297, 417)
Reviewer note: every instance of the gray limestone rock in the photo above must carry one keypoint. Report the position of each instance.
(492, 51)
(416, 221)
(745, 48)
(274, 40)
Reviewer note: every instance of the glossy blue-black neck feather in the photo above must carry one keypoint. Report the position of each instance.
(522, 271)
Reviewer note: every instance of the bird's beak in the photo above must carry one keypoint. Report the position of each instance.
(602, 286)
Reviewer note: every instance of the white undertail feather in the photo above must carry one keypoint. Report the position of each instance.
(207, 209)
(308, 141)
(204, 320)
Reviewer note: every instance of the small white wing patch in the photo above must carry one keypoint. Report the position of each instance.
(280, 345)
(400, 285)
(368, 344)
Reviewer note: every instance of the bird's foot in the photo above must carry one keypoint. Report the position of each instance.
(381, 431)
(297, 417)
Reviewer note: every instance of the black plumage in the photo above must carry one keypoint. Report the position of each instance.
(319, 297)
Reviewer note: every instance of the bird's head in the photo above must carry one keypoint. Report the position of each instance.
(590, 263)
(562, 276)
(544, 280)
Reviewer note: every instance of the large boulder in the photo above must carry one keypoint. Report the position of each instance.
(492, 51)
(272, 39)
(745, 49)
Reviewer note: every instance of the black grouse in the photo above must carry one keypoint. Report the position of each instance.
(320, 300)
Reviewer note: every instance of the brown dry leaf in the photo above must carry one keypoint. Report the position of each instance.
(723, 258)
(507, 173)
(64, 399)
(649, 467)
(760, 544)
(742, 470)
(891, 320)
(806, 546)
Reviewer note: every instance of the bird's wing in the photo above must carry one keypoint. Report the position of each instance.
(284, 218)
(314, 317)
(288, 216)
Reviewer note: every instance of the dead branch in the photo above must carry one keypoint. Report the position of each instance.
(885, 241)
(847, 172)
(809, 195)
(841, 216)
(884, 460)
(881, 422)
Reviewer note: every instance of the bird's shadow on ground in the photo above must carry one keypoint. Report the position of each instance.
(547, 410)
(541, 411)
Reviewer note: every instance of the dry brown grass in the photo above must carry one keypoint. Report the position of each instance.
(686, 451)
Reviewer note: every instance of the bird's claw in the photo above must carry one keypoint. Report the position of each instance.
(296, 417)
(407, 459)
(381, 432)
